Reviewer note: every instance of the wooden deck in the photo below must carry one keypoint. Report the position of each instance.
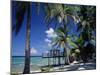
(54, 56)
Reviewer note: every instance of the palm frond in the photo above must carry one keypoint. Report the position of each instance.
(20, 12)
(71, 43)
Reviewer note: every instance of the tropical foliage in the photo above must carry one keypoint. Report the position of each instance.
(63, 41)
(84, 17)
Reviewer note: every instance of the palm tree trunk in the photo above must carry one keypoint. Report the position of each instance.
(67, 62)
(27, 47)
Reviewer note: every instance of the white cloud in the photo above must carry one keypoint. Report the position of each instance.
(33, 50)
(51, 30)
(47, 40)
(51, 33)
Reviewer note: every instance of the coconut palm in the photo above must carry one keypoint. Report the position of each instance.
(22, 8)
(87, 28)
(87, 23)
(64, 42)
(87, 49)
(60, 13)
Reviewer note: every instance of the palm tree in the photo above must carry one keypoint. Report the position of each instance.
(87, 27)
(60, 13)
(63, 40)
(86, 49)
(84, 16)
(22, 8)
(87, 23)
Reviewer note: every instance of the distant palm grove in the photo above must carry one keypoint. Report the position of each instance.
(79, 46)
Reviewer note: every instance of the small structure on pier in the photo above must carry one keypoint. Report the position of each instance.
(53, 56)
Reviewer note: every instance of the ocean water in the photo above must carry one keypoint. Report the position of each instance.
(17, 63)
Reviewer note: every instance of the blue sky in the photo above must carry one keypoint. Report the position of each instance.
(38, 44)
(38, 28)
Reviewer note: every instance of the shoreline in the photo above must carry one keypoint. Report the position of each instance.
(63, 68)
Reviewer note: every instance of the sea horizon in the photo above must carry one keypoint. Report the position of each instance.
(17, 64)
(24, 56)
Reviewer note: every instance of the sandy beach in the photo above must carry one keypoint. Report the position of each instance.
(63, 68)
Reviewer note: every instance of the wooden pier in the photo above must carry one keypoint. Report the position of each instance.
(54, 56)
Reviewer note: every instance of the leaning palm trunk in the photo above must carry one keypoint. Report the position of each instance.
(67, 62)
(27, 47)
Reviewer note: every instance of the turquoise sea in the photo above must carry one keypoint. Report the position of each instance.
(17, 63)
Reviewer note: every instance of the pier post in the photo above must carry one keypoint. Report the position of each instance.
(48, 59)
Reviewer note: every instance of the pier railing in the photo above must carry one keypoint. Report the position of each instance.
(53, 53)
